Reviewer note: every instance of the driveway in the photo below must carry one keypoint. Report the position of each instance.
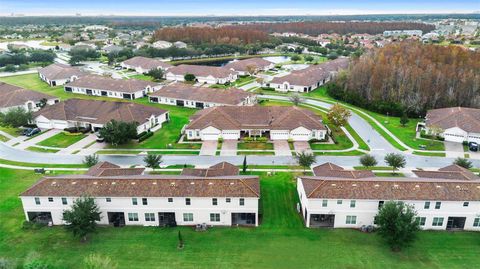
(302, 146)
(281, 148)
(229, 148)
(454, 150)
(209, 148)
(38, 138)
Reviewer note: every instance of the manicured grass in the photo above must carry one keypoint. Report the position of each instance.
(3, 138)
(62, 140)
(45, 165)
(171, 152)
(255, 153)
(214, 59)
(432, 154)
(10, 130)
(243, 80)
(44, 150)
(255, 146)
(386, 174)
(142, 77)
(341, 153)
(280, 241)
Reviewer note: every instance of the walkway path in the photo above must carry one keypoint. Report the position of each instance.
(229, 148)
(209, 148)
(79, 145)
(38, 138)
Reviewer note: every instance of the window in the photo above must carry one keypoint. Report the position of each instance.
(242, 201)
(421, 220)
(214, 217)
(187, 216)
(324, 203)
(134, 201)
(353, 203)
(228, 200)
(476, 222)
(438, 205)
(50, 199)
(170, 200)
(149, 216)
(465, 204)
(380, 204)
(37, 200)
(188, 201)
(144, 201)
(214, 201)
(64, 201)
(339, 202)
(437, 222)
(351, 220)
(132, 216)
(426, 205)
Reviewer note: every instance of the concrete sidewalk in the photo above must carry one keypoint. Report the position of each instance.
(79, 145)
(38, 138)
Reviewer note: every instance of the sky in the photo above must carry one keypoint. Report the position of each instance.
(234, 7)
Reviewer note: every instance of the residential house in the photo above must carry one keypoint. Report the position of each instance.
(244, 67)
(344, 202)
(160, 44)
(59, 74)
(143, 64)
(93, 114)
(308, 79)
(273, 122)
(455, 124)
(148, 200)
(109, 87)
(396, 33)
(331, 170)
(112, 48)
(202, 73)
(217, 170)
(179, 94)
(13, 96)
(449, 172)
(180, 45)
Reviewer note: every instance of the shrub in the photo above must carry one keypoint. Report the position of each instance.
(36, 264)
(145, 136)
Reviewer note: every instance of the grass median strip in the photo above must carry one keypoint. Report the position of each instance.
(44, 150)
(431, 154)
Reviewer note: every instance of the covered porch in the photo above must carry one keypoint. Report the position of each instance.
(322, 220)
(255, 133)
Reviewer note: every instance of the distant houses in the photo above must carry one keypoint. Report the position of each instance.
(244, 67)
(59, 74)
(16, 97)
(203, 74)
(95, 114)
(454, 124)
(274, 122)
(143, 64)
(184, 95)
(109, 87)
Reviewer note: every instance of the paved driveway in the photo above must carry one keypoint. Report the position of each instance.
(281, 148)
(209, 148)
(302, 146)
(454, 150)
(229, 148)
(38, 138)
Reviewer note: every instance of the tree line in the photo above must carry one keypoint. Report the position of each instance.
(411, 77)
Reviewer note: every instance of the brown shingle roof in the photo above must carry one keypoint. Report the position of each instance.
(146, 186)
(107, 169)
(111, 84)
(60, 71)
(241, 65)
(332, 170)
(146, 63)
(201, 70)
(219, 169)
(99, 112)
(11, 95)
(183, 91)
(467, 119)
(449, 172)
(256, 117)
(391, 189)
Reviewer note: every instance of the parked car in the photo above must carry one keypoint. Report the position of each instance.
(33, 132)
(26, 131)
(473, 146)
(99, 138)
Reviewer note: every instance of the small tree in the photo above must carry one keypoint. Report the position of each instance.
(15, 117)
(244, 166)
(153, 160)
(465, 163)
(309, 58)
(368, 160)
(397, 224)
(296, 99)
(338, 115)
(43, 102)
(96, 261)
(180, 240)
(305, 159)
(251, 69)
(395, 160)
(90, 160)
(404, 119)
(189, 77)
(82, 218)
(295, 58)
(156, 73)
(119, 132)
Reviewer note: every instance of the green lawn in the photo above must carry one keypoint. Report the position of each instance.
(243, 80)
(255, 146)
(44, 150)
(10, 130)
(280, 241)
(239, 153)
(389, 174)
(62, 140)
(3, 138)
(431, 154)
(142, 77)
(341, 153)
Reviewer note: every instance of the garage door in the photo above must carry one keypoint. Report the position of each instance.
(231, 135)
(59, 124)
(454, 137)
(279, 135)
(210, 136)
(300, 137)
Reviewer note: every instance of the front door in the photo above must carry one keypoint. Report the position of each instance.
(180, 103)
(456, 223)
(89, 92)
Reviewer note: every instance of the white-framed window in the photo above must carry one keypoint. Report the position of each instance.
(214, 201)
(108, 199)
(324, 203)
(144, 201)
(50, 199)
(437, 221)
(170, 200)
(149, 216)
(438, 205)
(228, 200)
(241, 201)
(132, 216)
(476, 222)
(214, 217)
(37, 200)
(466, 204)
(187, 217)
(339, 202)
(351, 220)
(426, 205)
(64, 201)
(188, 201)
(421, 220)
(353, 203)
(134, 201)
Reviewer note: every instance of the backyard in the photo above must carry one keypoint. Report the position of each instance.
(280, 242)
